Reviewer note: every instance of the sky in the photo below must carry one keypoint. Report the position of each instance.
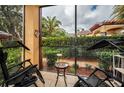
(87, 15)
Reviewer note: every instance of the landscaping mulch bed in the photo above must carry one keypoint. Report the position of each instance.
(86, 72)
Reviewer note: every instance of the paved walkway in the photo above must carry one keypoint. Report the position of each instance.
(50, 79)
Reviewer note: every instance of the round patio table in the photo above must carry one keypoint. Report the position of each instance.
(61, 68)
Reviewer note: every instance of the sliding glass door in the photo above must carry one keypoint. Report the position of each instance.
(58, 35)
(67, 32)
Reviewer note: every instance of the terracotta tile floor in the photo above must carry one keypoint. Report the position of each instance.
(50, 79)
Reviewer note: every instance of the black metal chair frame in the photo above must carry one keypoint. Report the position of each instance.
(23, 77)
(81, 81)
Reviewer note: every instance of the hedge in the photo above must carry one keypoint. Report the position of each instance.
(67, 46)
(83, 41)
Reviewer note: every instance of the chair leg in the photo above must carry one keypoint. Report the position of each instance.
(77, 84)
(110, 83)
(35, 85)
(65, 78)
(4, 85)
(40, 76)
(57, 80)
(65, 81)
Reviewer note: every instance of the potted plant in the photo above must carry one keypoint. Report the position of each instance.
(51, 57)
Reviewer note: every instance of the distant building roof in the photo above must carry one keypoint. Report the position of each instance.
(107, 22)
(84, 32)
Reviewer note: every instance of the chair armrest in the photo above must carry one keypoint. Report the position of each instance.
(20, 64)
(20, 74)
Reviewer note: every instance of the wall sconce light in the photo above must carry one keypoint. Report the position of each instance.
(36, 33)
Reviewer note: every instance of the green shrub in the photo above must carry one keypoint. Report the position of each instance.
(14, 56)
(88, 66)
(72, 70)
(75, 66)
(51, 58)
(105, 58)
(66, 52)
(67, 45)
(84, 41)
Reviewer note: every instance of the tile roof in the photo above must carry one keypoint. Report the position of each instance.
(107, 22)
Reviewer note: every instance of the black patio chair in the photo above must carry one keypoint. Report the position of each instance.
(95, 80)
(23, 76)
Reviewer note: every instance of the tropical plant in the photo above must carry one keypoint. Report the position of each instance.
(118, 11)
(11, 20)
(59, 32)
(51, 27)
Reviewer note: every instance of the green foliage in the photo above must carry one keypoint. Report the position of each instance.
(58, 33)
(75, 66)
(68, 49)
(1, 76)
(51, 58)
(57, 41)
(51, 27)
(83, 41)
(82, 52)
(11, 20)
(72, 70)
(63, 51)
(14, 56)
(105, 58)
(118, 11)
(88, 66)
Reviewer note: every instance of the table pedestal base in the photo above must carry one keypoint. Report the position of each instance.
(59, 74)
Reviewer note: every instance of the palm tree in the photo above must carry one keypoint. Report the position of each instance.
(50, 24)
(118, 11)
